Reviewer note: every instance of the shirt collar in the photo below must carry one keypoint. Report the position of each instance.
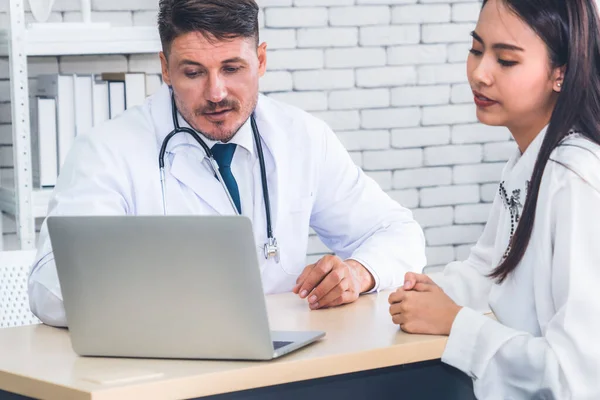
(521, 165)
(243, 138)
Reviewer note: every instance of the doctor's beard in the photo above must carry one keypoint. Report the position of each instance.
(223, 130)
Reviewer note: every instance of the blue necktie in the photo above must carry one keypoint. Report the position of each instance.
(223, 154)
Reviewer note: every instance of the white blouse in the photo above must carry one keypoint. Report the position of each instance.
(545, 343)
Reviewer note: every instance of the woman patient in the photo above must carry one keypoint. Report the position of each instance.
(534, 68)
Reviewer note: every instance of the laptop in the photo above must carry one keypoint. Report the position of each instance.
(165, 287)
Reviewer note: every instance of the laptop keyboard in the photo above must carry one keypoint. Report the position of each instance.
(279, 344)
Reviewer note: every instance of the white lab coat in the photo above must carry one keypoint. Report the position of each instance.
(544, 344)
(311, 178)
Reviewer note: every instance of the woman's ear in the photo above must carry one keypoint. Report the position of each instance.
(558, 77)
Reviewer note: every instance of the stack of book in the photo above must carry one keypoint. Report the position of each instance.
(64, 106)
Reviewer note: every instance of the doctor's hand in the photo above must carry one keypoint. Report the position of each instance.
(421, 306)
(331, 282)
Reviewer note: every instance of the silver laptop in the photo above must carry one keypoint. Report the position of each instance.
(165, 287)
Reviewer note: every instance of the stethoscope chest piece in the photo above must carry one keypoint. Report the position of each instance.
(271, 249)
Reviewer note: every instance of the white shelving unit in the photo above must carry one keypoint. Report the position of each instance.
(19, 42)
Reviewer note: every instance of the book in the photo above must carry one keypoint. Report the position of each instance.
(62, 89)
(84, 113)
(44, 132)
(100, 100)
(135, 86)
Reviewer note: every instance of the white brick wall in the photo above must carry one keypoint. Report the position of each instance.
(454, 154)
(359, 16)
(296, 59)
(383, 178)
(392, 159)
(461, 93)
(420, 137)
(488, 192)
(385, 76)
(447, 33)
(498, 151)
(309, 101)
(478, 133)
(465, 12)
(408, 198)
(420, 95)
(295, 17)
(323, 37)
(322, 80)
(279, 38)
(389, 35)
(276, 81)
(454, 235)
(453, 114)
(417, 54)
(390, 117)
(388, 76)
(359, 98)
(458, 52)
(340, 120)
(450, 195)
(362, 140)
(417, 14)
(472, 213)
(434, 216)
(478, 173)
(422, 177)
(462, 252)
(440, 254)
(355, 57)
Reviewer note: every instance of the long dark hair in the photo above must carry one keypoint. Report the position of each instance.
(571, 32)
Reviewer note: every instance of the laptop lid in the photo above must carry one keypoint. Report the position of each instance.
(161, 286)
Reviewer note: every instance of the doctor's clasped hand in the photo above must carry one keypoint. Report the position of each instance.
(332, 282)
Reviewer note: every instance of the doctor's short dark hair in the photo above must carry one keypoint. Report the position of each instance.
(215, 19)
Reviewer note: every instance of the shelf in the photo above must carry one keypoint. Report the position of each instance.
(40, 199)
(80, 39)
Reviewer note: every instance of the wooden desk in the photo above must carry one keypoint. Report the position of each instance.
(363, 355)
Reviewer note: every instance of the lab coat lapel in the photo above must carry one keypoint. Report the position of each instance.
(270, 124)
(190, 168)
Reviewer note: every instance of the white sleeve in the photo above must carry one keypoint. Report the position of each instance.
(85, 186)
(563, 363)
(355, 218)
(466, 282)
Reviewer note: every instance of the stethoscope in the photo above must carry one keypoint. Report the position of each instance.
(271, 249)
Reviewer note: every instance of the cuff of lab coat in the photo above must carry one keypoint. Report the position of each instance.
(462, 342)
(46, 306)
(371, 271)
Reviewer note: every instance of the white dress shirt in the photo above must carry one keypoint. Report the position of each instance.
(242, 164)
(544, 344)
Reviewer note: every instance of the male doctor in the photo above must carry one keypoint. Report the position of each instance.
(212, 62)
